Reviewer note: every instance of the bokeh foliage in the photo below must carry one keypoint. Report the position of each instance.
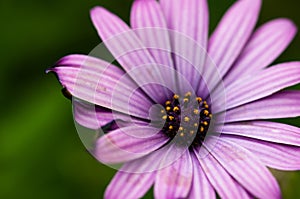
(41, 155)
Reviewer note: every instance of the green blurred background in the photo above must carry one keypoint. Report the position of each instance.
(41, 155)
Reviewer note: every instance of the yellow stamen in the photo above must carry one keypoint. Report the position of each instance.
(199, 99)
(186, 119)
(176, 97)
(205, 103)
(188, 94)
(175, 109)
(201, 129)
(196, 111)
(168, 108)
(168, 103)
(171, 118)
(205, 112)
(205, 123)
(206, 106)
(185, 100)
(171, 127)
(164, 117)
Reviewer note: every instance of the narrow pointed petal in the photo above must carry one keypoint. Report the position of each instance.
(128, 143)
(277, 156)
(222, 182)
(188, 21)
(247, 169)
(201, 187)
(129, 51)
(129, 185)
(149, 23)
(263, 130)
(280, 105)
(175, 180)
(263, 84)
(98, 82)
(265, 45)
(188, 17)
(232, 33)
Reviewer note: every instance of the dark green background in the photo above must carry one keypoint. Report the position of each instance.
(41, 155)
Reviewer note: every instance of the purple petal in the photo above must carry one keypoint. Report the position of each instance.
(188, 17)
(277, 156)
(188, 21)
(280, 105)
(128, 143)
(129, 185)
(91, 116)
(232, 33)
(265, 45)
(150, 25)
(267, 131)
(201, 187)
(222, 182)
(101, 83)
(175, 180)
(246, 169)
(263, 84)
(130, 52)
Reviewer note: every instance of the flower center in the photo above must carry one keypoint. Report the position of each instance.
(187, 118)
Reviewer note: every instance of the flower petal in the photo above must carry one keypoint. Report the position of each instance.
(246, 169)
(277, 156)
(188, 21)
(201, 187)
(175, 180)
(232, 33)
(190, 18)
(125, 144)
(101, 83)
(267, 131)
(222, 182)
(280, 105)
(265, 45)
(263, 84)
(130, 52)
(129, 185)
(150, 25)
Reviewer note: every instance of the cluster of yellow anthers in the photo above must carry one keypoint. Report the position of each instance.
(194, 113)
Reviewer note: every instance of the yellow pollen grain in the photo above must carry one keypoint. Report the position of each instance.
(176, 97)
(196, 124)
(205, 112)
(181, 134)
(192, 132)
(205, 103)
(206, 106)
(180, 128)
(201, 129)
(210, 115)
(188, 94)
(171, 118)
(186, 119)
(185, 100)
(199, 99)
(171, 127)
(205, 123)
(168, 108)
(162, 111)
(175, 109)
(164, 117)
(168, 103)
(196, 111)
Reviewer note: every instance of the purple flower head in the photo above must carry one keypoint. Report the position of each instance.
(187, 113)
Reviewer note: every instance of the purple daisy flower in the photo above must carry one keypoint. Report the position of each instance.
(188, 113)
